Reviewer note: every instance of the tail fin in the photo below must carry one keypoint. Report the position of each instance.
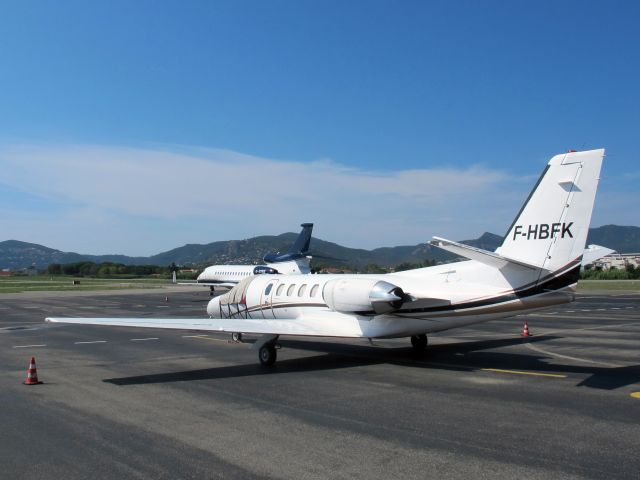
(298, 249)
(301, 244)
(551, 229)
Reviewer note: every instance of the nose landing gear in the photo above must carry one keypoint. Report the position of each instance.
(419, 342)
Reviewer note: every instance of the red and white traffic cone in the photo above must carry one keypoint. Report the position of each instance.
(32, 374)
(525, 330)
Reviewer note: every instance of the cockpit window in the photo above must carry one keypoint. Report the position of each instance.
(268, 289)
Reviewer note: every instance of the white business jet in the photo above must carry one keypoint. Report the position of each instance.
(294, 262)
(536, 266)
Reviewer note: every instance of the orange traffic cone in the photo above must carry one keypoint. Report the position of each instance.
(32, 374)
(525, 330)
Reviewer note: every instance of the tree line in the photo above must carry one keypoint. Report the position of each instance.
(107, 269)
(630, 272)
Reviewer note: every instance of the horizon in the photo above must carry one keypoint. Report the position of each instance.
(385, 123)
(313, 237)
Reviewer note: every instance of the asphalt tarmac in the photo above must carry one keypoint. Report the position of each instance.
(484, 402)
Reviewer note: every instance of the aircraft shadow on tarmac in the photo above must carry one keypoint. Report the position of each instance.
(459, 356)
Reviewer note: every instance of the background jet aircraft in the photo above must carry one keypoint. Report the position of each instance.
(294, 261)
(537, 265)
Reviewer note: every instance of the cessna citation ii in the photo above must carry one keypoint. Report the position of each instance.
(295, 261)
(536, 266)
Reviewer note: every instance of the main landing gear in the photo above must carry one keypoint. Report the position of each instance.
(267, 349)
(419, 342)
(268, 354)
(212, 291)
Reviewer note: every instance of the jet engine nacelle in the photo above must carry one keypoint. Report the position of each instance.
(263, 269)
(362, 295)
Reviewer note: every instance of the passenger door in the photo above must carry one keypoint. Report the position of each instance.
(266, 300)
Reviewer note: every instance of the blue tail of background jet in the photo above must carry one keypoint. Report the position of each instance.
(299, 249)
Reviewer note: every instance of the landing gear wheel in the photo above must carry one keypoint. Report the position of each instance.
(419, 342)
(236, 337)
(267, 354)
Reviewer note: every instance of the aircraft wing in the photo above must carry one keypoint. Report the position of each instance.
(483, 256)
(210, 284)
(299, 326)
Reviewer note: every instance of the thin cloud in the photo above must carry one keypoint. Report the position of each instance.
(174, 196)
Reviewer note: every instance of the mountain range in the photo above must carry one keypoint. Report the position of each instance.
(15, 254)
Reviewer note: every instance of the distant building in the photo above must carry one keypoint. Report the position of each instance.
(5, 272)
(619, 261)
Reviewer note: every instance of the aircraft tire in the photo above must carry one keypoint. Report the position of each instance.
(267, 354)
(236, 336)
(419, 342)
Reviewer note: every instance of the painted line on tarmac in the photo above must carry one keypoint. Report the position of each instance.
(635, 394)
(519, 372)
(143, 339)
(575, 359)
(575, 317)
(598, 327)
(211, 339)
(29, 346)
(194, 336)
(85, 343)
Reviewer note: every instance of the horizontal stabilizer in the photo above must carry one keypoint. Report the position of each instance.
(483, 256)
(305, 327)
(595, 252)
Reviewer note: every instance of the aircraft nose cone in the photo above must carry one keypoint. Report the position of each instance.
(213, 308)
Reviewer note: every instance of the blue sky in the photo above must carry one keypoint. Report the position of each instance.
(136, 127)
